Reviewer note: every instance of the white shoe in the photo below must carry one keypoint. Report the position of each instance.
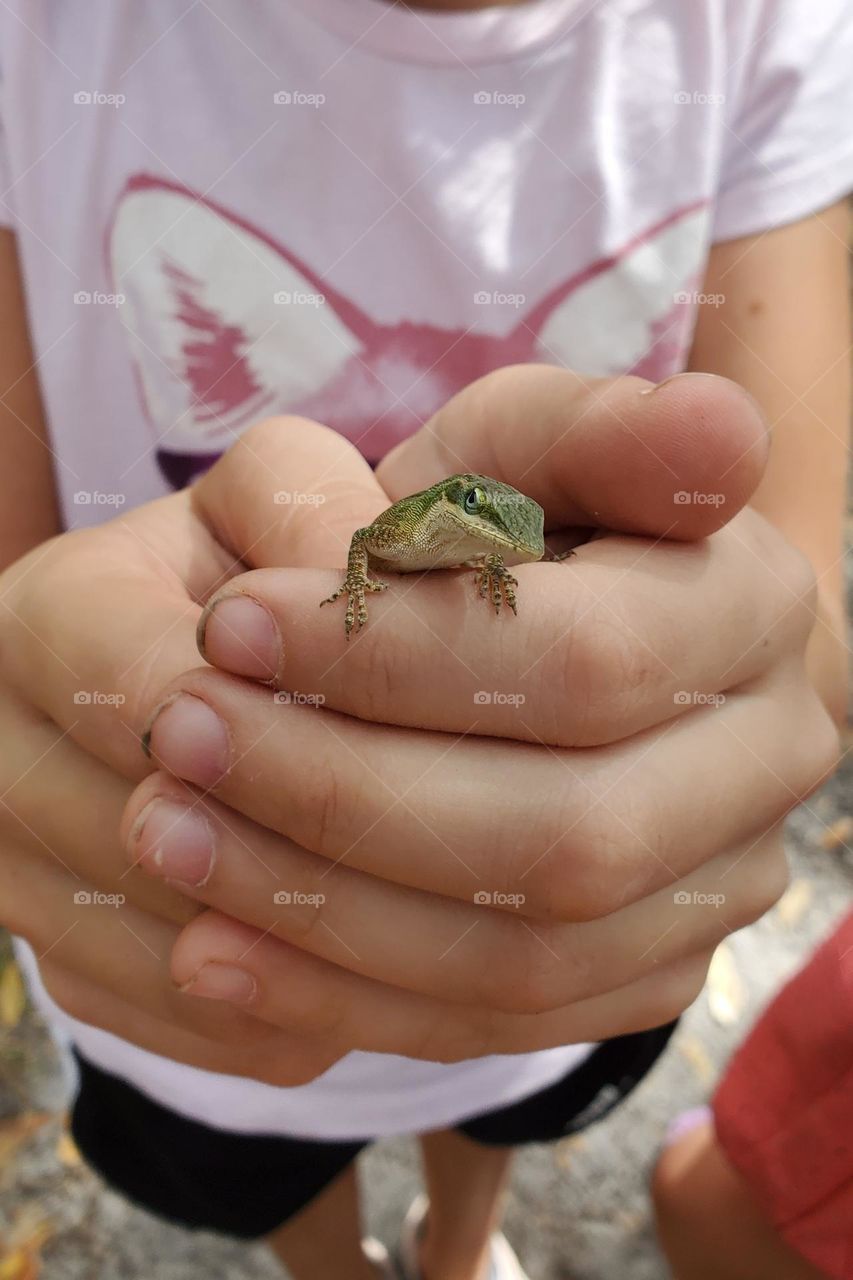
(503, 1264)
(374, 1250)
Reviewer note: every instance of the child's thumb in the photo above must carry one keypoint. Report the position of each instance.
(677, 460)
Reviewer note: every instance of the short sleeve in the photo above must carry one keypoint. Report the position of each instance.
(788, 145)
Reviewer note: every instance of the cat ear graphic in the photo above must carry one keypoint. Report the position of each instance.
(225, 326)
(632, 312)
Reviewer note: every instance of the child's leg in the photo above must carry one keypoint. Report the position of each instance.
(709, 1223)
(465, 1182)
(323, 1242)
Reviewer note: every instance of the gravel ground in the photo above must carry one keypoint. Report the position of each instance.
(578, 1211)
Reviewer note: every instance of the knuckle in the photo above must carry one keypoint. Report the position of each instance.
(387, 669)
(602, 658)
(812, 746)
(759, 882)
(478, 402)
(800, 577)
(685, 986)
(528, 866)
(614, 836)
(265, 437)
(799, 609)
(774, 880)
(304, 905)
(269, 439)
(326, 806)
(595, 853)
(676, 988)
(825, 742)
(294, 1068)
(791, 582)
(438, 1039)
(526, 973)
(444, 1036)
(326, 1016)
(514, 868)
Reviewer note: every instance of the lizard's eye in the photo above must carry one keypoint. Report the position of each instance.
(474, 499)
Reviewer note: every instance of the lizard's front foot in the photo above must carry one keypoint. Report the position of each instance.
(497, 582)
(354, 586)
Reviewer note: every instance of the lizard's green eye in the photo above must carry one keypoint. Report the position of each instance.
(474, 499)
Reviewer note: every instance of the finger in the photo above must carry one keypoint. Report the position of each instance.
(578, 832)
(323, 1001)
(593, 655)
(60, 805)
(307, 996)
(289, 491)
(678, 462)
(287, 1061)
(95, 623)
(461, 952)
(113, 945)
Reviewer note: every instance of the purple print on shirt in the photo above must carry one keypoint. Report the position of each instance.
(227, 326)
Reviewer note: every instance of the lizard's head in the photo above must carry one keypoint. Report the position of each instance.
(508, 520)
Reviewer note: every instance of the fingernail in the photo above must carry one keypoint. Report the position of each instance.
(189, 739)
(174, 842)
(647, 391)
(239, 634)
(216, 981)
(686, 1123)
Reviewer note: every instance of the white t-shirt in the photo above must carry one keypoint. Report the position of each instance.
(350, 210)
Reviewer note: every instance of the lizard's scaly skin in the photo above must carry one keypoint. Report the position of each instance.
(465, 520)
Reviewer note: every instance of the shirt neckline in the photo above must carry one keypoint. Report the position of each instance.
(438, 38)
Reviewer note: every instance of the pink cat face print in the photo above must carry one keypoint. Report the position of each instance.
(226, 325)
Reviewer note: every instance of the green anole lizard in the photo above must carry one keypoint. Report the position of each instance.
(464, 520)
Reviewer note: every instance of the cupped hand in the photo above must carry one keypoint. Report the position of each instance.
(92, 625)
(459, 834)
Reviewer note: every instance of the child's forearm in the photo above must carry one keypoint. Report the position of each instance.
(28, 504)
(784, 334)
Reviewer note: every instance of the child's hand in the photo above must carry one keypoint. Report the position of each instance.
(625, 815)
(93, 624)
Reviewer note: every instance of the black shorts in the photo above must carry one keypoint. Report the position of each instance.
(246, 1185)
